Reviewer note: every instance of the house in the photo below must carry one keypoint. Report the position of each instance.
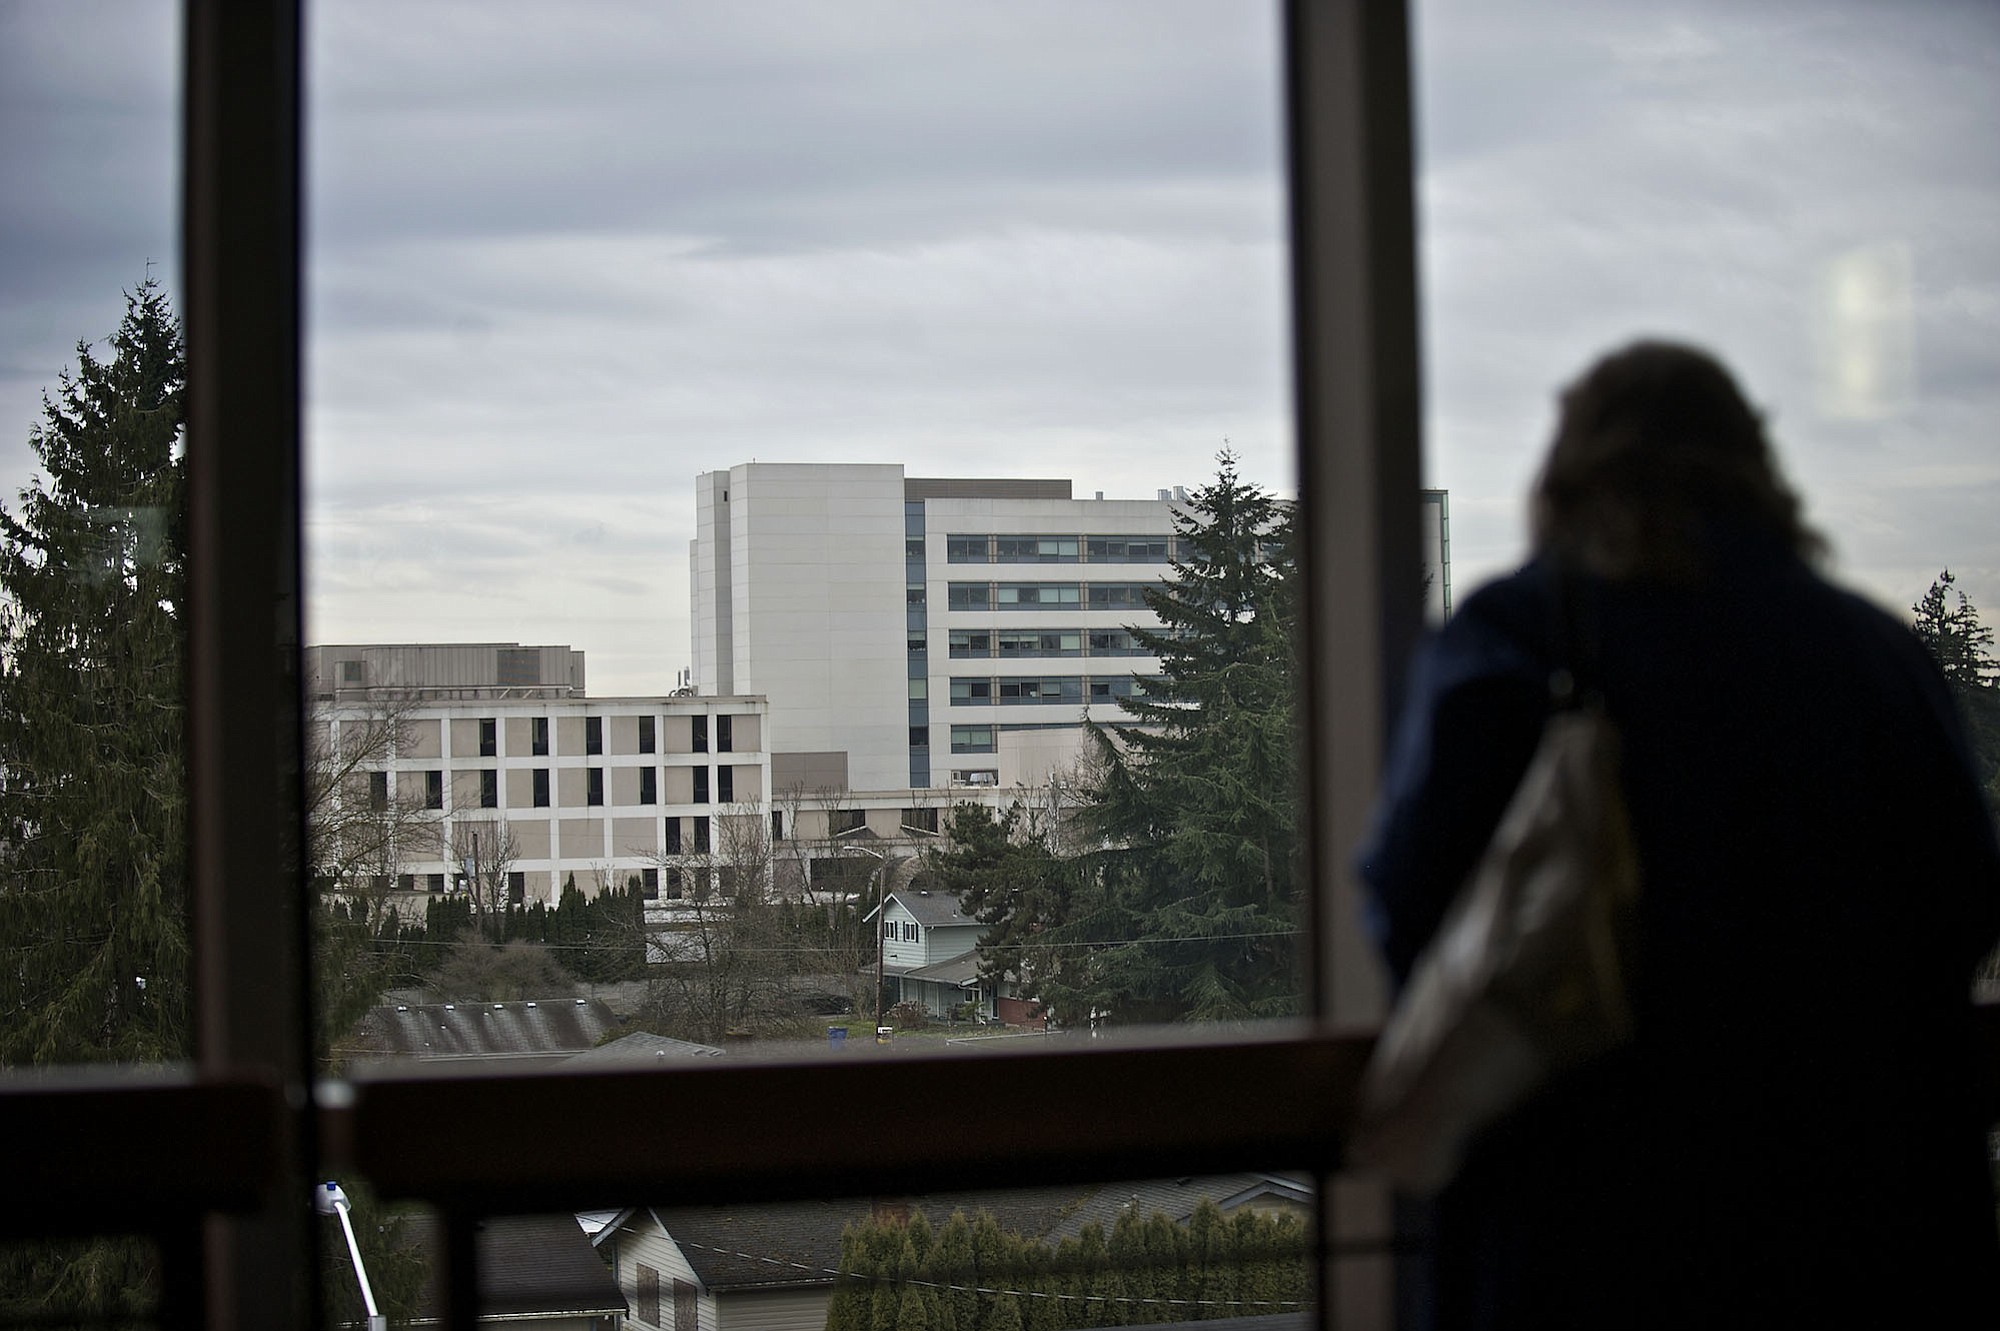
(537, 1272)
(524, 1034)
(771, 1267)
(929, 952)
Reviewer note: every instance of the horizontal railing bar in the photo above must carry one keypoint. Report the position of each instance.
(92, 1151)
(868, 1122)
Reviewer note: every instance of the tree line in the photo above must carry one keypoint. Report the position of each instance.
(969, 1274)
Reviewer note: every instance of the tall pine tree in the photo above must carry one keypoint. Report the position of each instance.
(93, 905)
(1191, 912)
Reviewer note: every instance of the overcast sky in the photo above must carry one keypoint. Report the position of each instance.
(563, 259)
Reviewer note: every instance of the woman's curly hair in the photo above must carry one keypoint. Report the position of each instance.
(1657, 450)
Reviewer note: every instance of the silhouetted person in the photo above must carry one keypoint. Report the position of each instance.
(1794, 1138)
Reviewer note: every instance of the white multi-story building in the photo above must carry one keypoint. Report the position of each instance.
(493, 749)
(912, 633)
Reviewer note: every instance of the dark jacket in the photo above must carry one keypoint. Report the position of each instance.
(1794, 1138)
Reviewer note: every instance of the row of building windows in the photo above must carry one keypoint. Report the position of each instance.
(992, 549)
(1005, 690)
(593, 735)
(974, 643)
(539, 789)
(1044, 595)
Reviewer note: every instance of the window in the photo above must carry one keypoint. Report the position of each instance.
(1035, 550)
(920, 737)
(777, 824)
(972, 739)
(687, 1308)
(1036, 595)
(489, 736)
(1118, 595)
(594, 786)
(1115, 642)
(541, 781)
(649, 785)
(966, 549)
(675, 888)
(1103, 689)
(434, 882)
(698, 734)
(645, 734)
(969, 596)
(538, 736)
(353, 674)
(1127, 549)
(673, 836)
(208, 194)
(489, 789)
(969, 642)
(1047, 689)
(701, 834)
(649, 1295)
(517, 888)
(725, 784)
(649, 884)
(977, 776)
(700, 785)
(971, 692)
(725, 733)
(913, 594)
(921, 820)
(433, 790)
(839, 822)
(593, 735)
(378, 791)
(913, 550)
(920, 688)
(917, 646)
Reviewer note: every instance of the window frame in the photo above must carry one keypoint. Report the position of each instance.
(256, 1137)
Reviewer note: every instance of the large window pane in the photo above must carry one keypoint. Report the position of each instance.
(889, 285)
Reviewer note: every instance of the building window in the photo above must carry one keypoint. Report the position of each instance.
(972, 739)
(969, 642)
(920, 820)
(541, 779)
(517, 888)
(725, 785)
(700, 785)
(645, 734)
(649, 1295)
(353, 674)
(594, 790)
(701, 834)
(1118, 595)
(434, 882)
(1047, 689)
(649, 884)
(405, 882)
(433, 791)
(725, 733)
(920, 689)
(777, 824)
(674, 885)
(967, 549)
(378, 791)
(977, 776)
(649, 785)
(1035, 549)
(1115, 642)
(686, 1309)
(489, 789)
(698, 734)
(917, 647)
(593, 735)
(1037, 595)
(971, 692)
(969, 596)
(920, 737)
(913, 594)
(841, 821)
(538, 736)
(489, 737)
(1126, 549)
(673, 836)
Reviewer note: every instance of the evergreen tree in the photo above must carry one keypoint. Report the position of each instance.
(1008, 880)
(1949, 626)
(1192, 913)
(93, 904)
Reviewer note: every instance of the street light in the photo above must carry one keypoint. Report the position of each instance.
(329, 1199)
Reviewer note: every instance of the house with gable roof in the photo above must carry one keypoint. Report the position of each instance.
(930, 956)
